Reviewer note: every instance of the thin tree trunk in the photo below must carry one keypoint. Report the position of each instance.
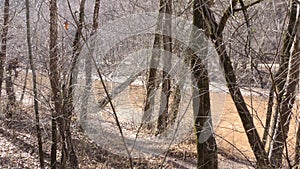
(268, 116)
(54, 78)
(68, 106)
(36, 105)
(285, 87)
(4, 42)
(88, 68)
(297, 56)
(175, 104)
(25, 83)
(151, 79)
(162, 121)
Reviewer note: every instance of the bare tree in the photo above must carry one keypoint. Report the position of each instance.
(206, 143)
(286, 82)
(151, 84)
(214, 31)
(54, 78)
(68, 91)
(88, 67)
(162, 121)
(4, 42)
(36, 105)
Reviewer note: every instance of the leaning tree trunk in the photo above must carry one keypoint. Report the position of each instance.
(4, 42)
(214, 31)
(162, 121)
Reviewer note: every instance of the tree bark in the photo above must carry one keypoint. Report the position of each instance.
(162, 121)
(88, 68)
(214, 31)
(175, 104)
(151, 84)
(9, 87)
(207, 156)
(68, 91)
(297, 56)
(4, 42)
(54, 78)
(36, 105)
(286, 88)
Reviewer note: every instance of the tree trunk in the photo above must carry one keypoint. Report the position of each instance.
(68, 106)
(206, 144)
(286, 87)
(214, 32)
(236, 95)
(54, 78)
(9, 87)
(25, 84)
(36, 106)
(207, 156)
(162, 121)
(4, 42)
(175, 104)
(151, 85)
(88, 68)
(297, 56)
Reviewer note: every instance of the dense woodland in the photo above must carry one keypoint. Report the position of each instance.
(149, 84)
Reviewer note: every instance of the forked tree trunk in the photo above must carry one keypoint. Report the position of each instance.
(214, 31)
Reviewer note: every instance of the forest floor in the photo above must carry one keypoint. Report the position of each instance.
(19, 149)
(18, 141)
